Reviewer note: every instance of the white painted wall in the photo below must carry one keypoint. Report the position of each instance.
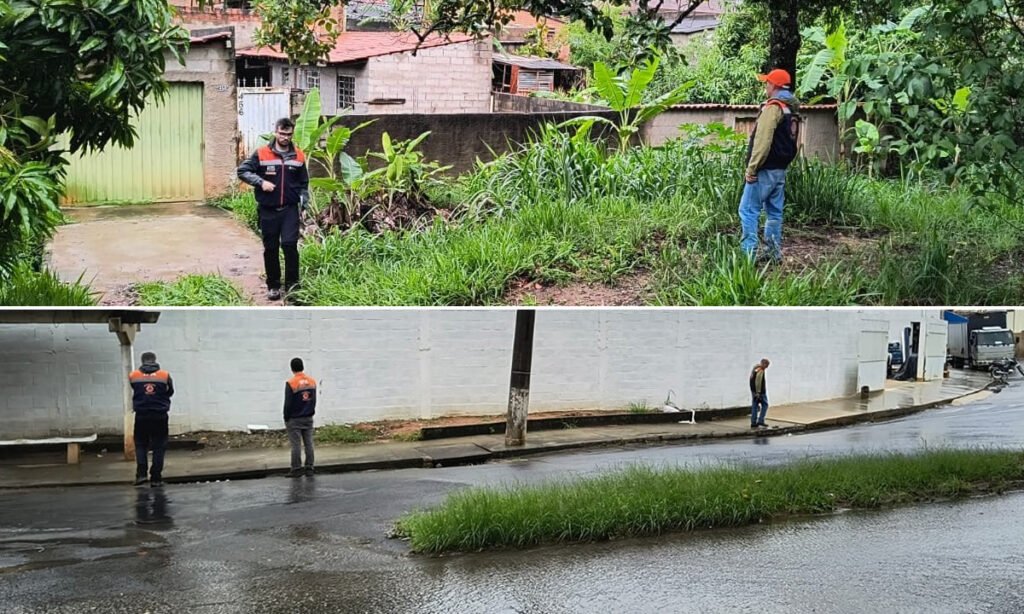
(229, 366)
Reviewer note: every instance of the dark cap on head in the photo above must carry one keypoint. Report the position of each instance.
(297, 365)
(148, 358)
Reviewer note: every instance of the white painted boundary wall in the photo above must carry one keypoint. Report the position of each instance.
(229, 367)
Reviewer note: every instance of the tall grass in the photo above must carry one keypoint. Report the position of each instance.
(25, 287)
(191, 291)
(563, 208)
(820, 193)
(641, 501)
(717, 272)
(242, 205)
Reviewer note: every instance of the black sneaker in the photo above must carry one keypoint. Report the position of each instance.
(753, 426)
(156, 484)
(762, 425)
(296, 473)
(309, 471)
(140, 481)
(274, 294)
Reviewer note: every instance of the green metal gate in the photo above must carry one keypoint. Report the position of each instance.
(165, 165)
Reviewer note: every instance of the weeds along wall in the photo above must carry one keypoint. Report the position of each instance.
(229, 367)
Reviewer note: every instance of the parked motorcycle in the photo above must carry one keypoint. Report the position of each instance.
(1001, 370)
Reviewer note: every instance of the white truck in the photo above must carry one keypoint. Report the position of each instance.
(978, 340)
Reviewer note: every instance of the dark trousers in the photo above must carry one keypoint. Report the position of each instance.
(300, 435)
(280, 231)
(150, 434)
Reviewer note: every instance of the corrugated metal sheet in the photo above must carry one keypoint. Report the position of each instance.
(259, 108)
(165, 165)
(531, 63)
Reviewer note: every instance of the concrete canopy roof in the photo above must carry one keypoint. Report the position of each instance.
(77, 316)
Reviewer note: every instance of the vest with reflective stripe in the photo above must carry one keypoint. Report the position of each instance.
(303, 389)
(150, 391)
(283, 171)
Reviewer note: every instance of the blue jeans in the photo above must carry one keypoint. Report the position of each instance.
(767, 194)
(759, 402)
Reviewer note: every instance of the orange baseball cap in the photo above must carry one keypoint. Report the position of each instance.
(777, 77)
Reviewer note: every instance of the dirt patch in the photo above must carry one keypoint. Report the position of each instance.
(381, 431)
(117, 247)
(628, 290)
(809, 247)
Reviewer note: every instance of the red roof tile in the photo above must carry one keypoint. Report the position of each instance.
(355, 46)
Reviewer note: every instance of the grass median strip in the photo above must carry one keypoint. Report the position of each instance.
(642, 500)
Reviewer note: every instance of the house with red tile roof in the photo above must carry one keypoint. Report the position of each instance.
(384, 72)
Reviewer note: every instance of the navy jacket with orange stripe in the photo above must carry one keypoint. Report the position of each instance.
(299, 397)
(152, 390)
(287, 171)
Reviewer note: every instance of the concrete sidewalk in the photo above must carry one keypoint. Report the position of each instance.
(899, 399)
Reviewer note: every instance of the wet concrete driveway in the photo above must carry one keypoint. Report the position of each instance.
(320, 545)
(113, 247)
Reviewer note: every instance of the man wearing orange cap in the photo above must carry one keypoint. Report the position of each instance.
(772, 146)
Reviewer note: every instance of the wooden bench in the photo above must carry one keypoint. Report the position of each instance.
(74, 444)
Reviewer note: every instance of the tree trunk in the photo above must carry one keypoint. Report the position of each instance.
(785, 22)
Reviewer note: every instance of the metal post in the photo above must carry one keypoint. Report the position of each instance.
(519, 385)
(126, 336)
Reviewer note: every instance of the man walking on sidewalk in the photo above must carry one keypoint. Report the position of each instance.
(280, 178)
(772, 146)
(152, 390)
(299, 408)
(759, 394)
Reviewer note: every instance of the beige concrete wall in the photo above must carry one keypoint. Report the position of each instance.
(820, 131)
(213, 65)
(515, 103)
(449, 79)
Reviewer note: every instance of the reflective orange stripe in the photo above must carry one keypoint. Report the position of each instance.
(301, 382)
(157, 376)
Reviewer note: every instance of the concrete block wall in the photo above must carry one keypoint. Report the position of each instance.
(820, 129)
(229, 367)
(453, 78)
(58, 379)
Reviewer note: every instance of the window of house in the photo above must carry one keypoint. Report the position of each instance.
(286, 76)
(346, 92)
(312, 78)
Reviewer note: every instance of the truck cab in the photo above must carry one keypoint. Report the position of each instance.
(990, 344)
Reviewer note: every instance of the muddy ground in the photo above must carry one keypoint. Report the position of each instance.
(386, 430)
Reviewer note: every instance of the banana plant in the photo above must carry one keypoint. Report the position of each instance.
(624, 94)
(404, 171)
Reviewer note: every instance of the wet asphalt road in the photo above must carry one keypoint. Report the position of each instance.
(279, 545)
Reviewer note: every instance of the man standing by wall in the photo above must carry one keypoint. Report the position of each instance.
(280, 178)
(759, 394)
(152, 390)
(772, 147)
(299, 408)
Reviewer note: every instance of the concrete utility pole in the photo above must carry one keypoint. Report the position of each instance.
(519, 386)
(126, 336)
